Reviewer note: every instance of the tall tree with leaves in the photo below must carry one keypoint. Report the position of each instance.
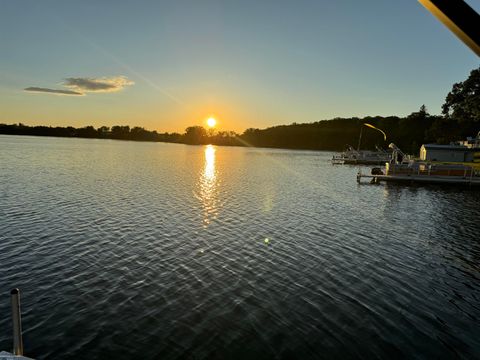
(463, 102)
(195, 135)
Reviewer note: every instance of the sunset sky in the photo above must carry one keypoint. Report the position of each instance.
(165, 65)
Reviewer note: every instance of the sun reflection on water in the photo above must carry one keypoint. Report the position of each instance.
(209, 172)
(208, 186)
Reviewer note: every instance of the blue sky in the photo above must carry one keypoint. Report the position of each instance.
(248, 63)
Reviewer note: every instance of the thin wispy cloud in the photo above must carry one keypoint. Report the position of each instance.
(103, 84)
(52, 91)
(82, 85)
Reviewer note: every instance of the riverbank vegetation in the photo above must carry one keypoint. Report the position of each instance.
(460, 118)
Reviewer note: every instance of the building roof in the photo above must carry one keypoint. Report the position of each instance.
(448, 147)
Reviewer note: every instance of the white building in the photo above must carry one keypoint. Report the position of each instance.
(459, 151)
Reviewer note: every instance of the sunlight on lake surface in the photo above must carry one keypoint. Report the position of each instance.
(207, 184)
(170, 251)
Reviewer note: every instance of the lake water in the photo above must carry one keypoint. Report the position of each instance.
(129, 250)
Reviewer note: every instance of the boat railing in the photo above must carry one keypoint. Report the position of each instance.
(425, 169)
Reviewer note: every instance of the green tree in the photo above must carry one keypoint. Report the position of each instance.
(120, 132)
(195, 135)
(462, 104)
(103, 131)
(87, 132)
(411, 130)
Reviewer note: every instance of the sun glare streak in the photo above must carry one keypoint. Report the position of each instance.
(311, 182)
(121, 63)
(139, 75)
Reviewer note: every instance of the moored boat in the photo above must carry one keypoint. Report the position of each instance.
(404, 170)
(362, 157)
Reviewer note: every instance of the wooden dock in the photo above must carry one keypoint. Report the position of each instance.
(421, 179)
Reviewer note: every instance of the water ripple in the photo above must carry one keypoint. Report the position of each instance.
(124, 248)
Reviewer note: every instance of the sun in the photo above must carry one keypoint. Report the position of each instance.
(211, 122)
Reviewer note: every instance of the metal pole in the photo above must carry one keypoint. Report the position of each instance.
(17, 323)
(360, 137)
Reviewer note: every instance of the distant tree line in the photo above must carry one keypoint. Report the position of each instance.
(460, 118)
(103, 132)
